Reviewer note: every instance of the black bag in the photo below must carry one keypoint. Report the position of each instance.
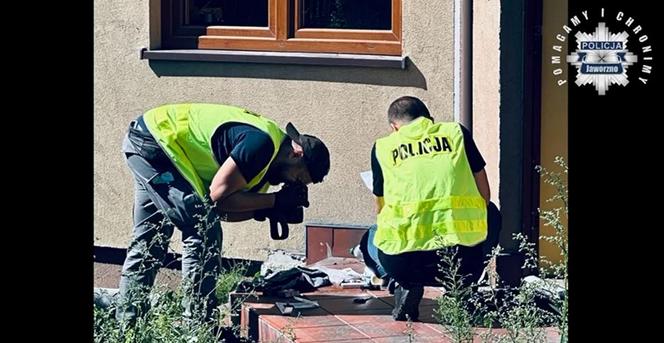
(301, 279)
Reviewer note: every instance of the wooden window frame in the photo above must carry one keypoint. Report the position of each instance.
(283, 33)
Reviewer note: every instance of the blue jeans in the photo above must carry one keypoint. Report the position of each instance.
(370, 252)
(163, 199)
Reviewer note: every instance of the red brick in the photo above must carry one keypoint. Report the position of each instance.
(344, 239)
(309, 318)
(354, 319)
(327, 334)
(395, 328)
(404, 338)
(316, 239)
(347, 306)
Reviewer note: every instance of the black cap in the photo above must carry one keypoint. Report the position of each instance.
(316, 155)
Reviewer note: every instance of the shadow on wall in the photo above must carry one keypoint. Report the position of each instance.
(409, 77)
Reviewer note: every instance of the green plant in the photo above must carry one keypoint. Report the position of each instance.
(525, 311)
(453, 312)
(523, 317)
(160, 311)
(230, 280)
(555, 219)
(160, 323)
(410, 331)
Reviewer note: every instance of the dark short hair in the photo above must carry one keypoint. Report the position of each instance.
(407, 108)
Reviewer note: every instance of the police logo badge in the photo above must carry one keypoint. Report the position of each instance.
(601, 58)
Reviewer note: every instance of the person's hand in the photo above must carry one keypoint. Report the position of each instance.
(262, 214)
(291, 195)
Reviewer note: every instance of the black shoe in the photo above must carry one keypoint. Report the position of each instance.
(389, 284)
(407, 302)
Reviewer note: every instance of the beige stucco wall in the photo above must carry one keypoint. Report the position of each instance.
(346, 107)
(486, 87)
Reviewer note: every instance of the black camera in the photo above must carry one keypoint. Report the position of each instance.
(293, 215)
(283, 218)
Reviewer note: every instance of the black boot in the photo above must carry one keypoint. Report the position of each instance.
(407, 301)
(389, 284)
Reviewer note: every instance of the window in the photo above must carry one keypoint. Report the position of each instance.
(336, 26)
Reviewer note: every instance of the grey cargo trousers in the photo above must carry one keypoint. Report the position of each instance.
(164, 200)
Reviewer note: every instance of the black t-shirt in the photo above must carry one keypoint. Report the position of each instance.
(250, 148)
(474, 159)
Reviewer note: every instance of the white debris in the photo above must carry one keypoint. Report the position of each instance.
(278, 260)
(549, 287)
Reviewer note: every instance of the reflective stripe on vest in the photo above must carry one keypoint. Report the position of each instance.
(431, 198)
(185, 132)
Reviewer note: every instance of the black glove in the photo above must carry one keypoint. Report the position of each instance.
(262, 214)
(292, 215)
(291, 195)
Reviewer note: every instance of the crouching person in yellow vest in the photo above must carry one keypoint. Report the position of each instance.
(194, 165)
(431, 194)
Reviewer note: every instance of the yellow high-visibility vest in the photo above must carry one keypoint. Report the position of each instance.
(184, 131)
(431, 198)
